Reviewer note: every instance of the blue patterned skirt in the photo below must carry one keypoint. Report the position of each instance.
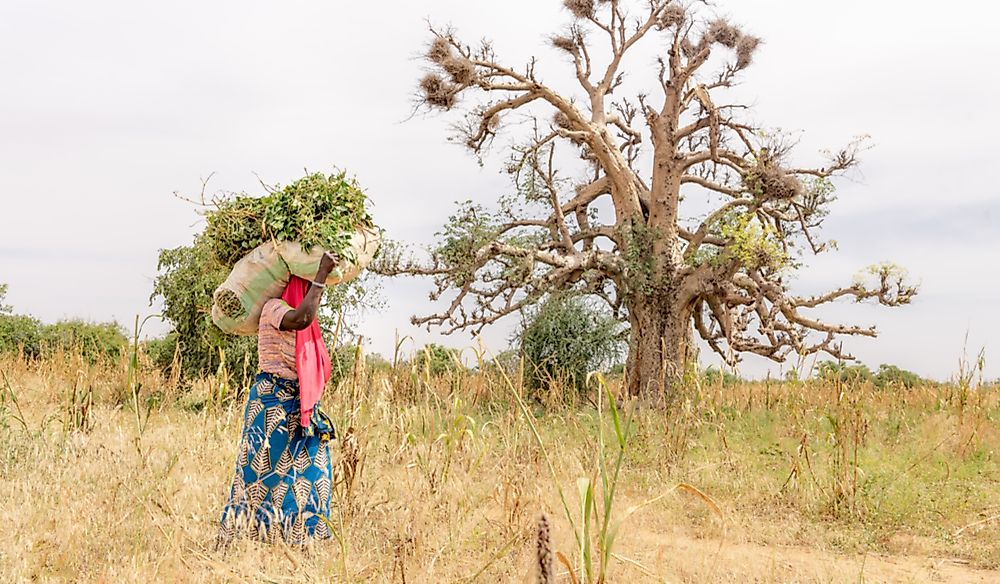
(283, 477)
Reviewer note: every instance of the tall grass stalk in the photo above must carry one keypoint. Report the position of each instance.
(134, 385)
(8, 395)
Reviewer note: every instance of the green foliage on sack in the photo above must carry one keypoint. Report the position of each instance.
(316, 210)
(565, 338)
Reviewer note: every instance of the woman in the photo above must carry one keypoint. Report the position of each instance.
(283, 480)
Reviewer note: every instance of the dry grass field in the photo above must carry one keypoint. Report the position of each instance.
(445, 480)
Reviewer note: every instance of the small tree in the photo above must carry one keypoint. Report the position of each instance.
(613, 225)
(833, 371)
(566, 338)
(715, 376)
(893, 376)
(4, 309)
(19, 333)
(439, 360)
(188, 276)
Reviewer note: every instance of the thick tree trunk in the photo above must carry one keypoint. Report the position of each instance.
(660, 348)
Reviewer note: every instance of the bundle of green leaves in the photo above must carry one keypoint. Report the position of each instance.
(316, 210)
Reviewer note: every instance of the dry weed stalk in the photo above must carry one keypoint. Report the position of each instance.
(79, 404)
(543, 552)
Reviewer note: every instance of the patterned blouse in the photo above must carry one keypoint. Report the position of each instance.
(275, 347)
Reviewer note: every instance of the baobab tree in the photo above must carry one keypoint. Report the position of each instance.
(615, 229)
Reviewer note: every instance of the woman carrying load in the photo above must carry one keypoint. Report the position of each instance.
(283, 477)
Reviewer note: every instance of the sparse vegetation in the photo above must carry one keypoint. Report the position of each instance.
(648, 208)
(25, 334)
(776, 470)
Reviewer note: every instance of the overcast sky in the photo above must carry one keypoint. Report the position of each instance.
(108, 107)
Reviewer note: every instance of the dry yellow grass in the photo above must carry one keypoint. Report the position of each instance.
(814, 485)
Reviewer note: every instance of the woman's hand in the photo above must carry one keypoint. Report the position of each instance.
(326, 265)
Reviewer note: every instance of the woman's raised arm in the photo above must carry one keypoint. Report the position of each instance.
(299, 318)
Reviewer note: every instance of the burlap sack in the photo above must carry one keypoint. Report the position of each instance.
(364, 244)
(264, 272)
(255, 279)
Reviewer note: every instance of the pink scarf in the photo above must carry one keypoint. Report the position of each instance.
(312, 360)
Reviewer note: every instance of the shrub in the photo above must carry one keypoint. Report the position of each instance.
(565, 338)
(377, 363)
(714, 376)
(832, 371)
(342, 360)
(508, 361)
(439, 359)
(161, 351)
(19, 332)
(890, 375)
(188, 276)
(93, 341)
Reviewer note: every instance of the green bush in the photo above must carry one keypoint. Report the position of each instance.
(92, 340)
(161, 351)
(886, 376)
(19, 332)
(508, 361)
(833, 371)
(714, 376)
(439, 359)
(892, 376)
(342, 361)
(565, 338)
(377, 363)
(188, 276)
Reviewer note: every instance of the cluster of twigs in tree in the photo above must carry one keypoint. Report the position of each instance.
(648, 140)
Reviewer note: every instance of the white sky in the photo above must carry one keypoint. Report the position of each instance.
(108, 107)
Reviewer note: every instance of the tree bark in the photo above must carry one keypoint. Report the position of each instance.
(661, 347)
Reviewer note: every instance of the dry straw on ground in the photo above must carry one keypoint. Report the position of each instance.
(816, 483)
